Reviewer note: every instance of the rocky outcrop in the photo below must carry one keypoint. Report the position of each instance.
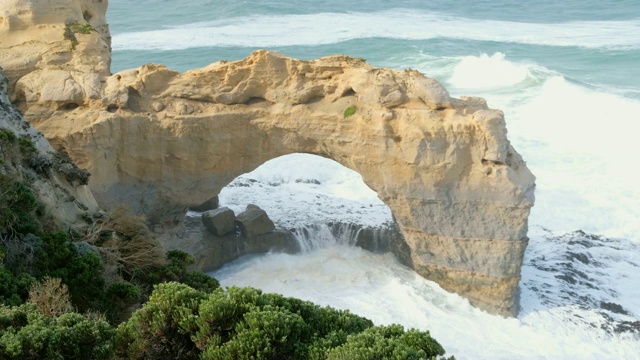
(161, 141)
(254, 221)
(27, 156)
(212, 251)
(61, 45)
(219, 221)
(210, 204)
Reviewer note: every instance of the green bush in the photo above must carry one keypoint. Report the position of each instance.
(160, 329)
(242, 323)
(82, 274)
(118, 298)
(7, 136)
(27, 334)
(269, 333)
(71, 29)
(14, 289)
(27, 147)
(388, 342)
(19, 208)
(175, 269)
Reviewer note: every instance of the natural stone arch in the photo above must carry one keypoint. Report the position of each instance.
(161, 141)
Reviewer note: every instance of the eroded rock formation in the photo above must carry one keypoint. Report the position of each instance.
(162, 141)
(26, 155)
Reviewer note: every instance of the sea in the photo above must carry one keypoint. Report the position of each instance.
(567, 76)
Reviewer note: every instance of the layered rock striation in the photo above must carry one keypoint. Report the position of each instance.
(161, 141)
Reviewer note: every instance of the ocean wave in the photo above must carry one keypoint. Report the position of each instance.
(580, 142)
(328, 28)
(488, 71)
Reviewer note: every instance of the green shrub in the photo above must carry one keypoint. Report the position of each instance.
(7, 136)
(14, 289)
(175, 269)
(19, 208)
(388, 342)
(27, 146)
(119, 297)
(243, 323)
(40, 164)
(80, 28)
(27, 334)
(62, 163)
(82, 274)
(219, 315)
(269, 333)
(74, 28)
(160, 329)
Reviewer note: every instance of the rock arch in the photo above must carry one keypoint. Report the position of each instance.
(161, 141)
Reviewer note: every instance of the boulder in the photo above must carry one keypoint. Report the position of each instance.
(219, 221)
(254, 221)
(210, 204)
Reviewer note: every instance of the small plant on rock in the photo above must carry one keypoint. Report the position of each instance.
(74, 28)
(349, 111)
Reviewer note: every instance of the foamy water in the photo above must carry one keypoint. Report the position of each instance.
(377, 287)
(578, 140)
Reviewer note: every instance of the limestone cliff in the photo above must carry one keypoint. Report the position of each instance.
(57, 182)
(161, 141)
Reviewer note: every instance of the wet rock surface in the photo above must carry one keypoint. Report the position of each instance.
(582, 271)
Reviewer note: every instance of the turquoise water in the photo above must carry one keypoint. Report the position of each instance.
(594, 42)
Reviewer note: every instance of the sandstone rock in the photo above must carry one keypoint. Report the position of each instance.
(68, 201)
(207, 205)
(460, 193)
(38, 35)
(219, 221)
(254, 221)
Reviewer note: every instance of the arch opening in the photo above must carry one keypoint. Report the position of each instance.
(313, 202)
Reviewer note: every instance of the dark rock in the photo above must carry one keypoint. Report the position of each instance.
(218, 251)
(219, 221)
(254, 221)
(613, 307)
(210, 204)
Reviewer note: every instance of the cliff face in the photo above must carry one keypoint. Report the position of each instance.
(26, 155)
(160, 141)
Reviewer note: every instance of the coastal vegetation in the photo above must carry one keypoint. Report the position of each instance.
(108, 291)
(73, 28)
(349, 111)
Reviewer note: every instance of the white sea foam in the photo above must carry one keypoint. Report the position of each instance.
(578, 140)
(485, 71)
(302, 189)
(583, 149)
(326, 28)
(378, 287)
